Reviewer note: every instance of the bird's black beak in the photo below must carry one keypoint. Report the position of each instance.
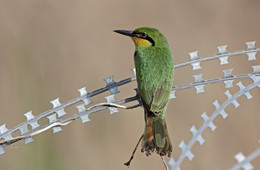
(125, 32)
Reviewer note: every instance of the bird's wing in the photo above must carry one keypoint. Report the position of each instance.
(160, 98)
(156, 96)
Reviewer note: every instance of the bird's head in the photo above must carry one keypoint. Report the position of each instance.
(145, 37)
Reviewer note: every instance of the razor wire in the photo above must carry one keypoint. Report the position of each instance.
(245, 162)
(208, 121)
(54, 115)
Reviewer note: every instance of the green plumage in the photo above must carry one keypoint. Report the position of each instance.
(154, 73)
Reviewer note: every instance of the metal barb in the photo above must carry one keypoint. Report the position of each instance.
(243, 163)
(198, 79)
(172, 164)
(111, 84)
(56, 104)
(186, 150)
(111, 99)
(3, 129)
(220, 109)
(29, 116)
(247, 94)
(52, 118)
(199, 138)
(234, 102)
(83, 92)
(194, 56)
(207, 121)
(250, 45)
(223, 50)
(83, 114)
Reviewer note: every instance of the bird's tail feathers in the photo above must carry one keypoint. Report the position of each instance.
(156, 137)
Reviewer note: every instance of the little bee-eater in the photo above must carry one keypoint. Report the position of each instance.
(154, 74)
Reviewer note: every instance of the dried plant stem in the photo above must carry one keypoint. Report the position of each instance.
(112, 105)
(132, 156)
(165, 164)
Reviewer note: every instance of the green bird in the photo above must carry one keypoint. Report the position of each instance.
(154, 74)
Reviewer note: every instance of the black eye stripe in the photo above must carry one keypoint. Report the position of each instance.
(150, 40)
(145, 36)
(141, 35)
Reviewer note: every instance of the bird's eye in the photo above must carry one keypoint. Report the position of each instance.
(144, 34)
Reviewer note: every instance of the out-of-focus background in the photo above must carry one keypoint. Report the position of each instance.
(49, 49)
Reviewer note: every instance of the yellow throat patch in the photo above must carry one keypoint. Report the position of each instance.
(141, 42)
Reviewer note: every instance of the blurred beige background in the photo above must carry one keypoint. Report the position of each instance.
(50, 49)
